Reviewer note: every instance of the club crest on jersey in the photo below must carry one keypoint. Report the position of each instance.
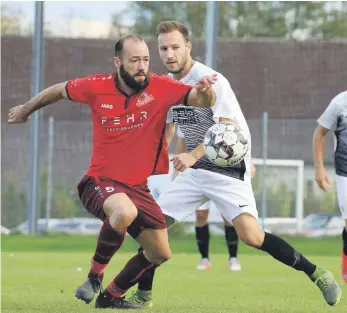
(143, 99)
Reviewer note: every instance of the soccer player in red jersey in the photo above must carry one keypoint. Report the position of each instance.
(129, 109)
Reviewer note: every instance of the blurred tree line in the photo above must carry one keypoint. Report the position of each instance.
(243, 19)
(237, 19)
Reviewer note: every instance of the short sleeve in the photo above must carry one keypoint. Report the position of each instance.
(80, 89)
(175, 91)
(330, 115)
(226, 102)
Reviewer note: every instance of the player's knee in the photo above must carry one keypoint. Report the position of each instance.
(122, 218)
(254, 239)
(161, 256)
(201, 218)
(165, 255)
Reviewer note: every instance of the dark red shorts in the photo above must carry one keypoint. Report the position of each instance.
(93, 195)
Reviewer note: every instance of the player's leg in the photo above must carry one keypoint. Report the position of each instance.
(202, 236)
(106, 201)
(341, 186)
(249, 232)
(237, 204)
(156, 251)
(182, 197)
(232, 242)
(149, 229)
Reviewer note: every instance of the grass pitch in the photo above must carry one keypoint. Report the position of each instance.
(45, 281)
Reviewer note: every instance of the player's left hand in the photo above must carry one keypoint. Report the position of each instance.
(183, 161)
(18, 115)
(205, 83)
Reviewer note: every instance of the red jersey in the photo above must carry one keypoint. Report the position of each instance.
(129, 141)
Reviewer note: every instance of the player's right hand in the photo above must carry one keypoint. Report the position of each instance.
(205, 83)
(322, 178)
(18, 115)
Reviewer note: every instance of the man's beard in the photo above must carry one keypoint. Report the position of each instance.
(130, 80)
(180, 69)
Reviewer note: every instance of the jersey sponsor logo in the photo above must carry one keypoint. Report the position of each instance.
(184, 116)
(124, 122)
(107, 106)
(144, 99)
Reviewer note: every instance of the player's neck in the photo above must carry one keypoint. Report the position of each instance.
(190, 63)
(124, 87)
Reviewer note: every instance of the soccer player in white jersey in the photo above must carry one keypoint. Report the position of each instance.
(228, 187)
(202, 233)
(334, 118)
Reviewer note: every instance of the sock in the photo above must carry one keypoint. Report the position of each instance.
(146, 281)
(344, 241)
(202, 235)
(109, 241)
(232, 240)
(144, 287)
(285, 253)
(129, 275)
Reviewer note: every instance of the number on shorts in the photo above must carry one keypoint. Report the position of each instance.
(109, 189)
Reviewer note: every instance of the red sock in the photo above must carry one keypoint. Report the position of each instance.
(129, 275)
(97, 268)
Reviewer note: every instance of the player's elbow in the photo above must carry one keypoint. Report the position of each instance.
(210, 99)
(206, 99)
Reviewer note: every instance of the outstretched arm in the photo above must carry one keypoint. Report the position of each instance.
(203, 95)
(21, 113)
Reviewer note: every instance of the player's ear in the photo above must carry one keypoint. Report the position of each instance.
(189, 45)
(117, 62)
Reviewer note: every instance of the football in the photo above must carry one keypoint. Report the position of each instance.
(225, 144)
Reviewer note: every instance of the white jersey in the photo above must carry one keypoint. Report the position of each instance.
(335, 119)
(194, 122)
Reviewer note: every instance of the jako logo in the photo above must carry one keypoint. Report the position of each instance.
(107, 106)
(143, 99)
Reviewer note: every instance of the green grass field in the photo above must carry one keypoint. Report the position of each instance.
(41, 274)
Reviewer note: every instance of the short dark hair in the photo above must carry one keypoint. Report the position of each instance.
(170, 26)
(118, 47)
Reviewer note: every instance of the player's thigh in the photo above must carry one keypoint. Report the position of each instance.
(149, 214)
(120, 209)
(341, 188)
(155, 244)
(106, 198)
(248, 230)
(182, 197)
(231, 196)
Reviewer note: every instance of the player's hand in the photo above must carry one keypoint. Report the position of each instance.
(183, 161)
(18, 115)
(205, 83)
(322, 178)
